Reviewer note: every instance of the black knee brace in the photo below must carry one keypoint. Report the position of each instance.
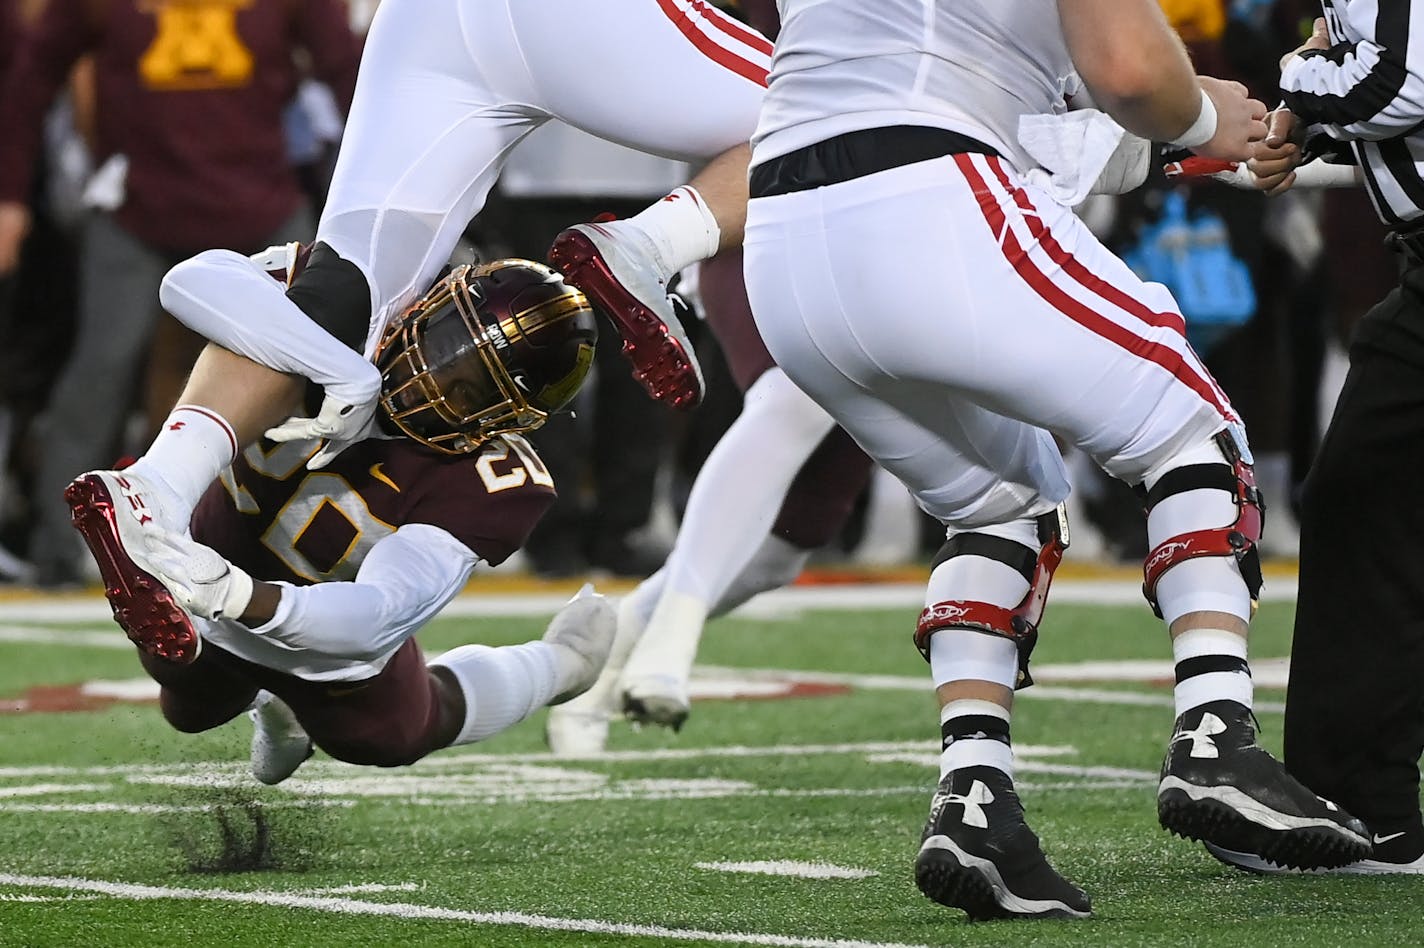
(334, 294)
(1019, 623)
(1238, 539)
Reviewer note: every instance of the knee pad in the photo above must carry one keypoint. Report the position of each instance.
(1237, 539)
(1020, 623)
(334, 294)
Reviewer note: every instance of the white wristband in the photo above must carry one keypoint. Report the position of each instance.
(1203, 129)
(237, 596)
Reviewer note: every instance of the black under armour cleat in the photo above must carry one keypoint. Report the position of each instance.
(978, 854)
(1219, 786)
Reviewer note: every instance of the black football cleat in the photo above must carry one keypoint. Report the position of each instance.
(978, 854)
(1220, 787)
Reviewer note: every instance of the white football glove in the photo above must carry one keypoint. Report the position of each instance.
(203, 582)
(339, 424)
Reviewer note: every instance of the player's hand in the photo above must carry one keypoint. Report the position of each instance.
(1240, 120)
(339, 424)
(1275, 159)
(203, 582)
(14, 225)
(1319, 39)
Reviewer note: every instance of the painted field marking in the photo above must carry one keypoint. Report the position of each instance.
(786, 867)
(148, 809)
(367, 887)
(777, 603)
(123, 890)
(217, 769)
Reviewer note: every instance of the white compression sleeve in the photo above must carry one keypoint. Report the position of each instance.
(230, 300)
(404, 581)
(740, 489)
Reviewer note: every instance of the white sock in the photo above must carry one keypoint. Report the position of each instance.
(193, 447)
(502, 686)
(681, 229)
(1211, 666)
(975, 733)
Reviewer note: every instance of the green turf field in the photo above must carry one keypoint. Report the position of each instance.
(111, 826)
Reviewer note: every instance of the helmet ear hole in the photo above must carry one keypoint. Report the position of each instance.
(492, 349)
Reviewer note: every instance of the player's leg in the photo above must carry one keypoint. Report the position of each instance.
(1174, 434)
(472, 692)
(736, 498)
(671, 77)
(203, 695)
(993, 479)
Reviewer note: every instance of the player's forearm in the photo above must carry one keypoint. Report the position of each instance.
(403, 583)
(1133, 64)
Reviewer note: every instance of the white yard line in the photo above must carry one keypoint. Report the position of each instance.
(777, 603)
(123, 890)
(786, 867)
(144, 809)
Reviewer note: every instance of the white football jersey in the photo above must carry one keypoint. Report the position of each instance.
(972, 66)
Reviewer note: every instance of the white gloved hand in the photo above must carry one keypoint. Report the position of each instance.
(339, 424)
(203, 582)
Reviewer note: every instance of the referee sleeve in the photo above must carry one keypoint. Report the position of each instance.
(1372, 88)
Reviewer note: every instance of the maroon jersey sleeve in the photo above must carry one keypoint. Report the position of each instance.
(279, 521)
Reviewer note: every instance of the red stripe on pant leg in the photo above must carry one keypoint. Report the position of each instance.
(1075, 269)
(1075, 310)
(1091, 281)
(709, 48)
(733, 28)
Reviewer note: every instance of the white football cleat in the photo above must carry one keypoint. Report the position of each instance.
(118, 513)
(579, 728)
(279, 744)
(615, 271)
(654, 687)
(581, 634)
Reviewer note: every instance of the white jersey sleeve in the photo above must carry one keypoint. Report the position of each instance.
(404, 581)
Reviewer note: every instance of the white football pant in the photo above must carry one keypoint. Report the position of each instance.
(949, 315)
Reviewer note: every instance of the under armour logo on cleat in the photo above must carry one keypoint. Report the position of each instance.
(973, 803)
(137, 506)
(1200, 736)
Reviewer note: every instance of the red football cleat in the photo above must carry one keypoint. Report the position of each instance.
(627, 290)
(111, 510)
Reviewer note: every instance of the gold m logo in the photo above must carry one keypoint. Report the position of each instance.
(197, 46)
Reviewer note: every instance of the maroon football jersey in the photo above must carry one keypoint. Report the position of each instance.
(279, 521)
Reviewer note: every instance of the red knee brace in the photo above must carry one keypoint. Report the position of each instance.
(1019, 623)
(1237, 539)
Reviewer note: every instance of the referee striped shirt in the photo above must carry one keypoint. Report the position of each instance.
(1368, 89)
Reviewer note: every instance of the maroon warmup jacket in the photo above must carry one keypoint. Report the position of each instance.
(192, 91)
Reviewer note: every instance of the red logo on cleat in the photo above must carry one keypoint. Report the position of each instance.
(177, 425)
(136, 502)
